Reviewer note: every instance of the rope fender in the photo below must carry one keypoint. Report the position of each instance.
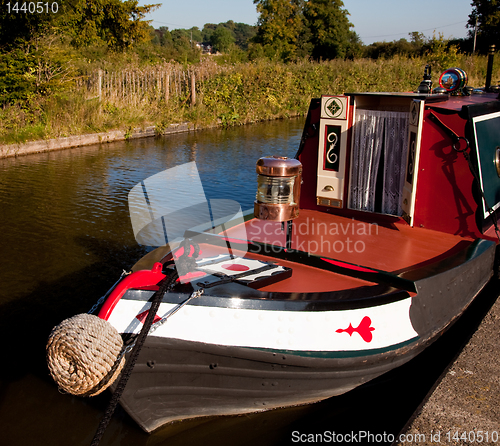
(82, 354)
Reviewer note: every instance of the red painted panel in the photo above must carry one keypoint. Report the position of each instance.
(444, 200)
(309, 160)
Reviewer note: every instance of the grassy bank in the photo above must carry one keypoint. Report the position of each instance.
(225, 94)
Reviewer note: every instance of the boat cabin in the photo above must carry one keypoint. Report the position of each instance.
(402, 155)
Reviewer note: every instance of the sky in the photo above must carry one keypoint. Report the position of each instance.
(373, 20)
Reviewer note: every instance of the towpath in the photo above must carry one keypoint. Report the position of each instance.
(464, 407)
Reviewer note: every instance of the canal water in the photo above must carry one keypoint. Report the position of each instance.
(65, 238)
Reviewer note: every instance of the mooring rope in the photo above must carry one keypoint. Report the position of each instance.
(186, 262)
(127, 371)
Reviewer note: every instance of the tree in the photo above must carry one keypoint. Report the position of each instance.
(180, 40)
(18, 25)
(302, 28)
(402, 47)
(487, 15)
(243, 33)
(164, 38)
(417, 39)
(222, 39)
(280, 23)
(330, 29)
(119, 24)
(206, 33)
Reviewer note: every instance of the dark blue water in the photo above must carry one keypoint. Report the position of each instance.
(58, 208)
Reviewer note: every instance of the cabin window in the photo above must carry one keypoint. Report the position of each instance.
(380, 142)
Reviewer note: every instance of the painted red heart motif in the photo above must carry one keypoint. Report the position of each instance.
(364, 329)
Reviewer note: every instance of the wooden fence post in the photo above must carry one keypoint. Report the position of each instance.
(167, 88)
(99, 83)
(193, 89)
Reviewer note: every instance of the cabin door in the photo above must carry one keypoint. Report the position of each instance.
(411, 175)
(486, 130)
(378, 160)
(332, 150)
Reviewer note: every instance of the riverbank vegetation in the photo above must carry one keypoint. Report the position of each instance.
(79, 72)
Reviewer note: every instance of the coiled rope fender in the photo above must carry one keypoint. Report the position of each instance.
(82, 354)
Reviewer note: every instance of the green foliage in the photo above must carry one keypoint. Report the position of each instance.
(442, 55)
(301, 49)
(486, 13)
(438, 51)
(222, 39)
(387, 50)
(16, 79)
(115, 23)
(292, 29)
(163, 37)
(28, 72)
(280, 22)
(21, 26)
(230, 94)
(240, 33)
(190, 35)
(329, 28)
(225, 89)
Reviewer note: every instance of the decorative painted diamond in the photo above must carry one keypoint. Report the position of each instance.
(333, 107)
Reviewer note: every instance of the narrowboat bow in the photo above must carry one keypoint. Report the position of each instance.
(359, 253)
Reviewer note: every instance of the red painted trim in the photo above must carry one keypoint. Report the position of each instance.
(139, 279)
(235, 240)
(349, 266)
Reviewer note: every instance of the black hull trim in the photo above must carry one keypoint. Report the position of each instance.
(178, 380)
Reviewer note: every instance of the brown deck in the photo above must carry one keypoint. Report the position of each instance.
(389, 247)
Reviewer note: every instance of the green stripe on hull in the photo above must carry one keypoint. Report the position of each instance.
(339, 354)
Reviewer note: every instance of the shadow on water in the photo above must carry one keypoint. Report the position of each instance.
(27, 390)
(28, 320)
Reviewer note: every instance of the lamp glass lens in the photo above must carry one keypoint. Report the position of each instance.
(275, 190)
